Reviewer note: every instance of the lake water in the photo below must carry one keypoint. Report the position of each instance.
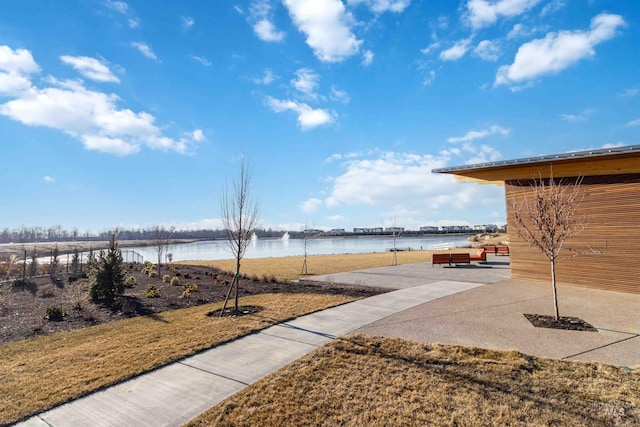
(266, 248)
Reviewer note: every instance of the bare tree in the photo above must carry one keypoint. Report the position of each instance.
(547, 217)
(239, 212)
(396, 232)
(307, 236)
(160, 243)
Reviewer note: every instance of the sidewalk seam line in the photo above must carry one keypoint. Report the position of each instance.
(212, 373)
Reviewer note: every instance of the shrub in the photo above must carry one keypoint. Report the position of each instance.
(175, 281)
(72, 279)
(166, 278)
(56, 313)
(149, 269)
(187, 276)
(152, 292)
(173, 270)
(108, 274)
(47, 291)
(130, 281)
(188, 288)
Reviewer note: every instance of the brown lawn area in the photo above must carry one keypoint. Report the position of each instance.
(366, 381)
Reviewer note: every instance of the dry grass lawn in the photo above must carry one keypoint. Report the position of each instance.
(290, 268)
(366, 381)
(39, 373)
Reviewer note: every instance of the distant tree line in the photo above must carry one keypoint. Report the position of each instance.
(57, 233)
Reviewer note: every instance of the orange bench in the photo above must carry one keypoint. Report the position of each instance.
(460, 259)
(441, 259)
(502, 250)
(480, 256)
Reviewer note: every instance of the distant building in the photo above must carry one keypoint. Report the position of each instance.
(485, 228)
(374, 230)
(430, 229)
(394, 230)
(336, 232)
(312, 231)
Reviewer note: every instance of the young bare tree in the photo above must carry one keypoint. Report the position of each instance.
(307, 236)
(395, 234)
(547, 217)
(160, 243)
(239, 212)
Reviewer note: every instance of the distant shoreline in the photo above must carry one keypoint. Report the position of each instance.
(45, 248)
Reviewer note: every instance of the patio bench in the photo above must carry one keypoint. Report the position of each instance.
(480, 256)
(440, 259)
(502, 250)
(460, 259)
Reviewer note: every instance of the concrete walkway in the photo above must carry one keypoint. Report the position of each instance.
(493, 317)
(179, 392)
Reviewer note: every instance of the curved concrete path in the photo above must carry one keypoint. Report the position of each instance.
(177, 393)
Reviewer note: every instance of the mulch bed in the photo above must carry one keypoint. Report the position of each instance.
(567, 323)
(23, 308)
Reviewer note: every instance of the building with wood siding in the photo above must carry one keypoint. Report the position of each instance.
(606, 254)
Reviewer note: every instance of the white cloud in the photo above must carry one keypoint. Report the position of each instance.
(308, 118)
(204, 61)
(15, 68)
(306, 81)
(404, 183)
(552, 7)
(267, 32)
(483, 13)
(477, 134)
(432, 46)
(336, 218)
(118, 6)
(144, 49)
(457, 51)
(198, 136)
(482, 154)
(629, 92)
(48, 179)
(635, 122)
(340, 95)
(578, 117)
(430, 78)
(381, 6)
(260, 17)
(557, 51)
(326, 24)
(92, 117)
(367, 58)
(266, 79)
(487, 50)
(311, 205)
(187, 22)
(123, 8)
(91, 68)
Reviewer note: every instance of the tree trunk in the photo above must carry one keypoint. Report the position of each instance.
(555, 290)
(237, 280)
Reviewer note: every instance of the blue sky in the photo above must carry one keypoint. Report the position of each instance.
(135, 113)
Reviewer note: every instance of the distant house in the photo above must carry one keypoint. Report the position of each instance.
(608, 250)
(394, 230)
(372, 230)
(430, 229)
(336, 232)
(485, 228)
(312, 231)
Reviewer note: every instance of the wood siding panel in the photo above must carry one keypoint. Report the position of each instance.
(606, 255)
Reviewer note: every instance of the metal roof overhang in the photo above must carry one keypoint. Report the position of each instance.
(608, 161)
